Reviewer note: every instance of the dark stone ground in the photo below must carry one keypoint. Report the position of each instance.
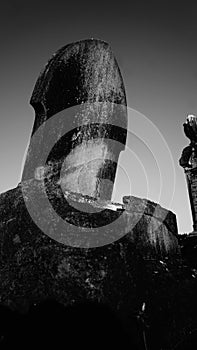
(127, 293)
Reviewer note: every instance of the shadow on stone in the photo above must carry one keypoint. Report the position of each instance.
(50, 324)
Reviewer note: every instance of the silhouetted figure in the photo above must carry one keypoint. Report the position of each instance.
(185, 157)
(190, 130)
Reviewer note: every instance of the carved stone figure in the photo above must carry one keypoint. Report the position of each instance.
(61, 238)
(188, 161)
(189, 153)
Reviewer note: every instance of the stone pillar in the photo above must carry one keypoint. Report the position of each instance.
(191, 176)
(188, 161)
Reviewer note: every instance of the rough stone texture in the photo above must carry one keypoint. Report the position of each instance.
(143, 266)
(152, 209)
(139, 274)
(82, 81)
(188, 161)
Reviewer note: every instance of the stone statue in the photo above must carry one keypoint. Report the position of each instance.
(190, 152)
(61, 238)
(84, 84)
(188, 161)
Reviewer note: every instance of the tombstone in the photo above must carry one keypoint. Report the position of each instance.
(61, 237)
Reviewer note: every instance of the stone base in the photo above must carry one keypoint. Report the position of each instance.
(140, 276)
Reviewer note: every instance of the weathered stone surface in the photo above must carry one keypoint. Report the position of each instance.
(168, 229)
(136, 268)
(82, 82)
(188, 161)
(137, 271)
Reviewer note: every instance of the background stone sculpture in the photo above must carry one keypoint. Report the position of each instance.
(188, 161)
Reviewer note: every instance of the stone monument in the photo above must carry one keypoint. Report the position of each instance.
(188, 161)
(61, 238)
(86, 75)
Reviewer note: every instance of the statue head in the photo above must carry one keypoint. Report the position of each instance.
(190, 127)
(80, 110)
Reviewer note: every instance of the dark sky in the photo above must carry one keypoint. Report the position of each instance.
(155, 44)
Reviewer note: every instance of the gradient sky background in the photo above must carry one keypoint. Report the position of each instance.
(155, 44)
